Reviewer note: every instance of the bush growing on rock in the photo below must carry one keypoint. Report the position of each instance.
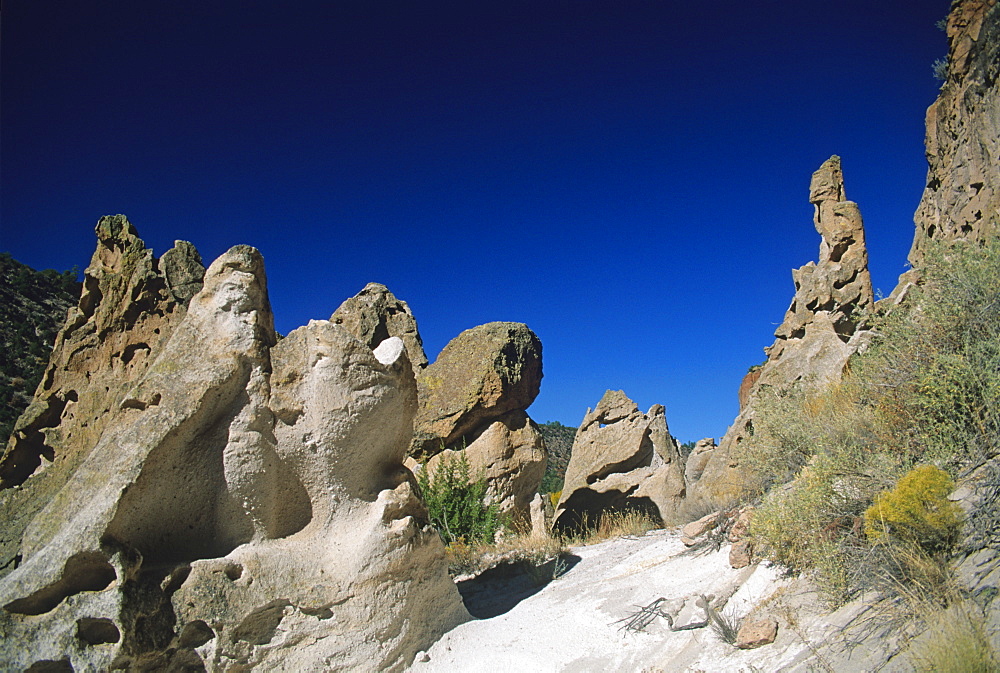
(456, 503)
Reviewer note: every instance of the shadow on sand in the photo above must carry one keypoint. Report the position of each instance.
(499, 589)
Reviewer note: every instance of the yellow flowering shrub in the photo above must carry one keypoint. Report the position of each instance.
(917, 509)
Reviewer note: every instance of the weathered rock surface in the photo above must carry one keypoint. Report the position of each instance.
(621, 459)
(961, 199)
(247, 508)
(510, 454)
(374, 314)
(482, 374)
(822, 328)
(131, 304)
(698, 459)
(472, 400)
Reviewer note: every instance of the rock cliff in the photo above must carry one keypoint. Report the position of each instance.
(246, 504)
(962, 194)
(821, 329)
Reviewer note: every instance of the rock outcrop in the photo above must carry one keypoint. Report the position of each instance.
(130, 305)
(961, 199)
(472, 400)
(822, 328)
(622, 459)
(374, 314)
(247, 508)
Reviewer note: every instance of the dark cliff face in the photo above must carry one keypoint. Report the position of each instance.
(961, 199)
(33, 307)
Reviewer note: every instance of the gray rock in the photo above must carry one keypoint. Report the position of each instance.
(374, 314)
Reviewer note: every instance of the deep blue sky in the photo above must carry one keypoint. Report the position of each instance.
(629, 178)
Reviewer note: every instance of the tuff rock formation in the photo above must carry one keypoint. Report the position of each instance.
(247, 508)
(822, 327)
(374, 314)
(621, 459)
(130, 305)
(472, 400)
(698, 459)
(961, 199)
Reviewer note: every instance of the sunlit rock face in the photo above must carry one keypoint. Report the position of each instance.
(622, 459)
(822, 328)
(130, 305)
(961, 199)
(247, 508)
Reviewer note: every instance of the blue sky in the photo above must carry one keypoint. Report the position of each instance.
(628, 178)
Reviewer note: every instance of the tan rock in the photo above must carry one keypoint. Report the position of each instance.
(249, 508)
(539, 525)
(621, 459)
(374, 314)
(130, 305)
(482, 374)
(758, 632)
(740, 554)
(698, 459)
(822, 328)
(701, 526)
(741, 526)
(510, 453)
(747, 384)
(961, 199)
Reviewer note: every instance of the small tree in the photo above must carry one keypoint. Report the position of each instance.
(457, 503)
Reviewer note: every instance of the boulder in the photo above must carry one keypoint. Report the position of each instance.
(247, 508)
(374, 314)
(482, 374)
(621, 459)
(130, 305)
(510, 454)
(740, 554)
(757, 632)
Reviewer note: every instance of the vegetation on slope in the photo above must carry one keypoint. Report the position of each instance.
(33, 307)
(856, 474)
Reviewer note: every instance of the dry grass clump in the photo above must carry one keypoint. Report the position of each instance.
(955, 642)
(624, 523)
(514, 548)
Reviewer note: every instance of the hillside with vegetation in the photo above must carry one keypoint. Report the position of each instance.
(559, 444)
(33, 307)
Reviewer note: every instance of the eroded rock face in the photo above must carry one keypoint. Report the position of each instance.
(822, 329)
(130, 305)
(374, 314)
(961, 199)
(621, 459)
(482, 374)
(248, 508)
(839, 285)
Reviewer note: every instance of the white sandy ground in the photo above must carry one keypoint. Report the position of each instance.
(571, 624)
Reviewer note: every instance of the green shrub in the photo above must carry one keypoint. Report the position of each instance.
(917, 510)
(457, 503)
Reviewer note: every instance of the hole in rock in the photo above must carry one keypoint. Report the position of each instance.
(234, 571)
(195, 634)
(86, 571)
(587, 508)
(50, 666)
(97, 631)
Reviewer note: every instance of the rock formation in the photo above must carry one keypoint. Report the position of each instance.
(473, 398)
(130, 306)
(698, 459)
(374, 314)
(622, 459)
(247, 507)
(961, 199)
(822, 327)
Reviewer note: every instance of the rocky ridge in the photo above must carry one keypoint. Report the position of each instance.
(257, 514)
